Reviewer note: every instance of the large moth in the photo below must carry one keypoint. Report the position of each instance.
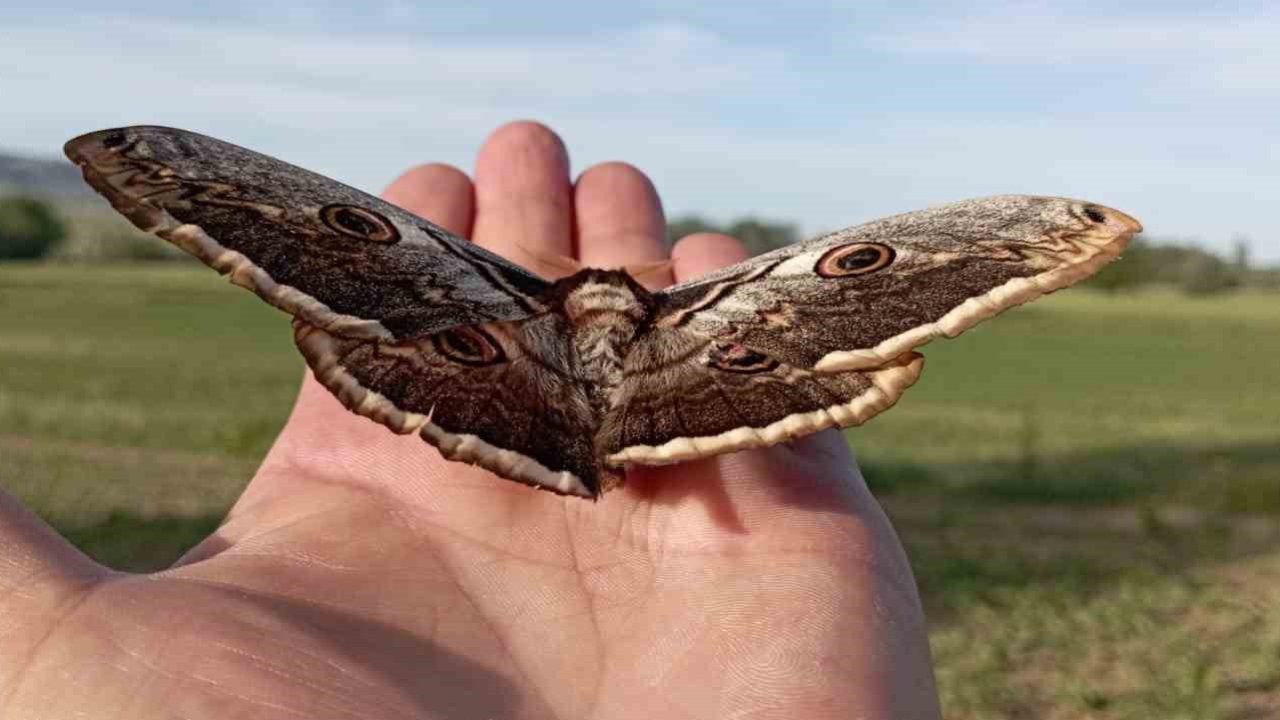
(562, 384)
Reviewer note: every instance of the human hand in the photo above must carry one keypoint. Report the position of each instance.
(361, 576)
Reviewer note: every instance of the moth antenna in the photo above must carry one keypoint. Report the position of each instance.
(550, 265)
(656, 271)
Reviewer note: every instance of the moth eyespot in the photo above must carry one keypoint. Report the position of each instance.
(1094, 214)
(469, 346)
(735, 358)
(359, 223)
(855, 259)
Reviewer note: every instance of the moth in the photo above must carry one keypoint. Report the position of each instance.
(562, 384)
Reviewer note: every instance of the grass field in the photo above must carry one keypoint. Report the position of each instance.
(1089, 488)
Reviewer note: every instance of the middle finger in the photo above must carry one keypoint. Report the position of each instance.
(524, 205)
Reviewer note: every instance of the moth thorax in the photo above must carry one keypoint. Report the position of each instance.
(603, 304)
(603, 317)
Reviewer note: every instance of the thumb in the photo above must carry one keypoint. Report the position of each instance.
(41, 577)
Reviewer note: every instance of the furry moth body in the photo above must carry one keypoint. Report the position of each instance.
(562, 384)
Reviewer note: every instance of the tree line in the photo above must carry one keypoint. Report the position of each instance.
(32, 229)
(29, 228)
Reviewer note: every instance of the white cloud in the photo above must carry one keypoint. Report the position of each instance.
(354, 102)
(670, 98)
(1219, 52)
(290, 91)
(670, 61)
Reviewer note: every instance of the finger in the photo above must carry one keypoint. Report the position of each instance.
(523, 197)
(40, 573)
(619, 220)
(437, 192)
(700, 253)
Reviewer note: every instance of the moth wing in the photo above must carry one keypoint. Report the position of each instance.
(497, 395)
(861, 297)
(685, 395)
(333, 256)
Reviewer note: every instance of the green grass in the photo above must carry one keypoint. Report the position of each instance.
(1088, 488)
(147, 391)
(1083, 397)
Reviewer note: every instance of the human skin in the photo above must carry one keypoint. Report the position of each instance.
(362, 576)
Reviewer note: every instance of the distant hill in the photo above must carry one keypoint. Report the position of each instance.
(47, 178)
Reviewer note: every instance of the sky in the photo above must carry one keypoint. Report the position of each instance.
(825, 114)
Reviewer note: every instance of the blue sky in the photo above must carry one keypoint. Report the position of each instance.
(827, 114)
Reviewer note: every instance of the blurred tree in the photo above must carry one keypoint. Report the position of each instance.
(1265, 278)
(1133, 269)
(1240, 256)
(761, 236)
(1195, 270)
(689, 225)
(29, 228)
(758, 235)
(1205, 274)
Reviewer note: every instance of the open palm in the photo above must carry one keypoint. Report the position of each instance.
(361, 576)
